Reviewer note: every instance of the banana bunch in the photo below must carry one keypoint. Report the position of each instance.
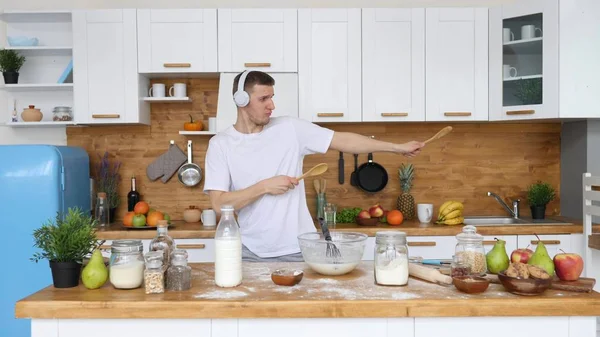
(451, 213)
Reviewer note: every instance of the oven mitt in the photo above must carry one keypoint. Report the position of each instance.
(172, 162)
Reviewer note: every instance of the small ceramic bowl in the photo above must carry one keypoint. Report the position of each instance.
(522, 286)
(22, 41)
(367, 222)
(471, 284)
(287, 277)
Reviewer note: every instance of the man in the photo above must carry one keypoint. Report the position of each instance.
(252, 165)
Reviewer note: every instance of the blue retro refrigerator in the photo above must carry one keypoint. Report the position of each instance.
(36, 183)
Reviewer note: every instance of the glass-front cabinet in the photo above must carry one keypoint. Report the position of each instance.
(523, 64)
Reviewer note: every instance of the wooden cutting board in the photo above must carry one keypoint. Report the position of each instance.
(583, 285)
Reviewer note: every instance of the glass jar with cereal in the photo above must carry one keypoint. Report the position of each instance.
(470, 250)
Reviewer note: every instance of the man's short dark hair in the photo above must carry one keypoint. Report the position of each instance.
(253, 77)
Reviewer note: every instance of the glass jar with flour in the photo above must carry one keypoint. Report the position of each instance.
(391, 258)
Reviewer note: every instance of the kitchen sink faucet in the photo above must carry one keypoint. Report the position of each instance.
(513, 212)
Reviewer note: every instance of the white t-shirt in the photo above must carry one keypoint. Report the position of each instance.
(271, 224)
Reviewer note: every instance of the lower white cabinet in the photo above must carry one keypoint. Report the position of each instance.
(199, 250)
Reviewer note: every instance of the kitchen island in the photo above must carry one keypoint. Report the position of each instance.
(348, 305)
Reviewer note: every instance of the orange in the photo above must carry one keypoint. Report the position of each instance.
(153, 217)
(141, 207)
(128, 219)
(395, 217)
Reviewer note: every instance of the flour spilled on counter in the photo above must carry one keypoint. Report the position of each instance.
(222, 294)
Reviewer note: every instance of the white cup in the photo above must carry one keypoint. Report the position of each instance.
(157, 90)
(178, 90)
(528, 32)
(212, 124)
(507, 71)
(425, 212)
(507, 35)
(209, 218)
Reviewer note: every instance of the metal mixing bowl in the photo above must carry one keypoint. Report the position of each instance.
(314, 247)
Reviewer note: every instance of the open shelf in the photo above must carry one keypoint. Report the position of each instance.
(197, 133)
(42, 50)
(38, 86)
(510, 79)
(167, 99)
(39, 124)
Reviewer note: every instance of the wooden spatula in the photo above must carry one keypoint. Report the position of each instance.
(440, 134)
(315, 171)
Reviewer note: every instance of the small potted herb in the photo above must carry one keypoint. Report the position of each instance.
(10, 64)
(65, 243)
(107, 180)
(538, 196)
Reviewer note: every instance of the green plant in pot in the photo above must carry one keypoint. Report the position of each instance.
(108, 180)
(538, 196)
(10, 64)
(65, 243)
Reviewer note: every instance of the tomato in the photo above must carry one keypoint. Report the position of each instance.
(139, 220)
(128, 219)
(141, 207)
(192, 126)
(395, 217)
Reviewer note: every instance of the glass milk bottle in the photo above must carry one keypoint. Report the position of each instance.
(228, 250)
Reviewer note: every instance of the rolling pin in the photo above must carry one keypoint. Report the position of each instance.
(428, 274)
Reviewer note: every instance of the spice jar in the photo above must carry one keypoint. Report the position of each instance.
(179, 274)
(391, 258)
(470, 250)
(154, 275)
(126, 264)
(459, 267)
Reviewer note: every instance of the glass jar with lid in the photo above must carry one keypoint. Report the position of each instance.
(126, 268)
(470, 250)
(179, 274)
(154, 275)
(391, 258)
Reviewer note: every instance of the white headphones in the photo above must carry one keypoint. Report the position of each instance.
(241, 98)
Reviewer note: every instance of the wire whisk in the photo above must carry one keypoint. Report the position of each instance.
(332, 251)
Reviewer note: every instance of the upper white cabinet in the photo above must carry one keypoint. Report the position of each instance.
(262, 39)
(105, 62)
(177, 40)
(329, 64)
(393, 64)
(456, 64)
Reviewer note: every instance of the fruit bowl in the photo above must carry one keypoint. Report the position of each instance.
(314, 247)
(471, 284)
(524, 286)
(367, 221)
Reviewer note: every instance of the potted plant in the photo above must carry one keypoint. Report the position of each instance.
(107, 180)
(538, 196)
(65, 243)
(10, 64)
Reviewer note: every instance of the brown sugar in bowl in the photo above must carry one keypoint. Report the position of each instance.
(287, 277)
(471, 284)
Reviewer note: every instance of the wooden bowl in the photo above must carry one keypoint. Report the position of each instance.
(287, 277)
(471, 284)
(522, 286)
(367, 222)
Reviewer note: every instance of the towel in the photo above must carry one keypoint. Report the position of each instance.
(166, 164)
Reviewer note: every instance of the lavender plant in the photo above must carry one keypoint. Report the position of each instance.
(108, 179)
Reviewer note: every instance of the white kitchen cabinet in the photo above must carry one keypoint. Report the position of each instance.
(177, 40)
(106, 81)
(199, 250)
(329, 64)
(550, 52)
(393, 64)
(258, 38)
(456, 64)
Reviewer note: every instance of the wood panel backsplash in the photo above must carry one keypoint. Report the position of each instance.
(475, 158)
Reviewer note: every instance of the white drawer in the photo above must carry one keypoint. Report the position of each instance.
(427, 247)
(199, 250)
(552, 242)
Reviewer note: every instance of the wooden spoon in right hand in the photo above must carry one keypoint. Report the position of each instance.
(315, 171)
(440, 134)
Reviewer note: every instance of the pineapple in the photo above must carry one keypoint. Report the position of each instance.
(406, 202)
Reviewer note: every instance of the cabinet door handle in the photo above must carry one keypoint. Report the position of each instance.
(106, 116)
(456, 114)
(105, 247)
(489, 243)
(177, 65)
(191, 246)
(520, 112)
(546, 242)
(330, 114)
(257, 64)
(394, 114)
(422, 244)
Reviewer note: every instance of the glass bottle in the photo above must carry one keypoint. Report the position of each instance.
(228, 250)
(391, 258)
(133, 196)
(162, 241)
(126, 266)
(470, 250)
(179, 274)
(154, 275)
(102, 210)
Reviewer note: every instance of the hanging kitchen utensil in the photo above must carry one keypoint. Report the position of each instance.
(371, 177)
(189, 174)
(341, 168)
(166, 164)
(315, 171)
(353, 181)
(440, 134)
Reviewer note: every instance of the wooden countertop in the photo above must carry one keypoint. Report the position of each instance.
(350, 295)
(183, 230)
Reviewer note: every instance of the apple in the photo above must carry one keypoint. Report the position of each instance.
(384, 216)
(139, 220)
(521, 255)
(569, 266)
(376, 211)
(364, 215)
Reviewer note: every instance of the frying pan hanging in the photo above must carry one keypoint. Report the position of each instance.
(189, 173)
(371, 176)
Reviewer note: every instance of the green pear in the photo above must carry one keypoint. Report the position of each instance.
(541, 258)
(497, 259)
(95, 273)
